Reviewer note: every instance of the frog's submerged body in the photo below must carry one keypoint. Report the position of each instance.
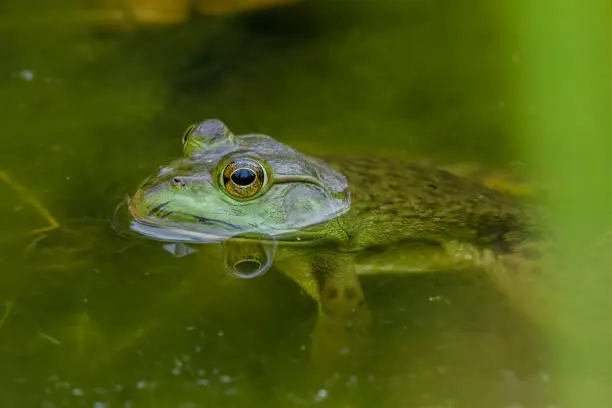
(334, 218)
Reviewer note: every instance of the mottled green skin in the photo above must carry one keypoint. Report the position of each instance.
(365, 215)
(394, 200)
(354, 202)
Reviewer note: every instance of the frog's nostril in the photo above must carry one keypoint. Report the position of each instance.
(177, 181)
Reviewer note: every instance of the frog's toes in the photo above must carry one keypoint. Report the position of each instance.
(342, 300)
(517, 273)
(467, 255)
(512, 272)
(346, 304)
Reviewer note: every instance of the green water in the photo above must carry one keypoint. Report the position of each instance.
(91, 319)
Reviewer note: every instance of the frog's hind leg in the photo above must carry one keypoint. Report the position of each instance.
(341, 331)
(515, 274)
(341, 336)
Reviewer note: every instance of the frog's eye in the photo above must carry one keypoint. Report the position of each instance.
(243, 178)
(187, 133)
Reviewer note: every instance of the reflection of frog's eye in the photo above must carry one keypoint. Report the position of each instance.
(243, 178)
(248, 260)
(177, 182)
(187, 133)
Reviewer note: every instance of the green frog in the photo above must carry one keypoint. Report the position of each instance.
(326, 221)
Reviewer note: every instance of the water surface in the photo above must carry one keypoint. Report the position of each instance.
(92, 319)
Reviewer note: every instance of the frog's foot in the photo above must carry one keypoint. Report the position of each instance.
(465, 255)
(345, 302)
(341, 332)
(332, 282)
(513, 273)
(340, 295)
(27, 197)
(340, 340)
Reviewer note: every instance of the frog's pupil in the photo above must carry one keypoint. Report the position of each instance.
(244, 177)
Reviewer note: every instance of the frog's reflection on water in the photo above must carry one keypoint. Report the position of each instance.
(245, 260)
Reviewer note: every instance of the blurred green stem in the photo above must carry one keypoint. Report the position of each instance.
(566, 61)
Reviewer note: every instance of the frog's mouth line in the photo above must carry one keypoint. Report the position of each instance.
(155, 219)
(173, 232)
(157, 209)
(157, 212)
(208, 221)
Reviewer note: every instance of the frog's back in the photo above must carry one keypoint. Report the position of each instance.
(394, 200)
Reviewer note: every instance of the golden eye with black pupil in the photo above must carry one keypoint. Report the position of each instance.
(243, 178)
(187, 133)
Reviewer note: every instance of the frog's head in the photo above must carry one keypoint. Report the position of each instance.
(236, 185)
